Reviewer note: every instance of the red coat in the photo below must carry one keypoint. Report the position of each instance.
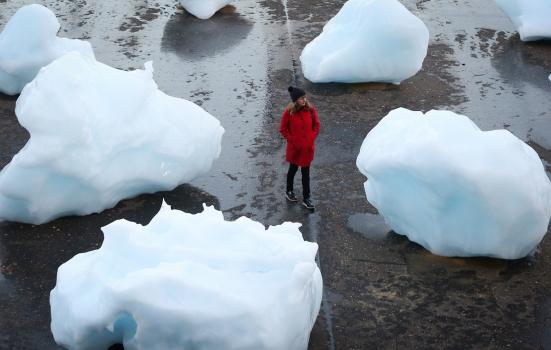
(300, 130)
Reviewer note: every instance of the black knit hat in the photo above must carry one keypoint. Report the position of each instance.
(296, 93)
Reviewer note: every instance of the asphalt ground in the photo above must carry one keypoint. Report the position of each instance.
(380, 290)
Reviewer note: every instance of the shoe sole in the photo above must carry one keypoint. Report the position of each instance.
(307, 207)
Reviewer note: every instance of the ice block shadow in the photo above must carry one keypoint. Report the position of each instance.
(195, 39)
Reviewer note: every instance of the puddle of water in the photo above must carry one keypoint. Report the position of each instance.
(502, 79)
(329, 298)
(371, 226)
(220, 64)
(312, 226)
(427, 262)
(464, 270)
(193, 38)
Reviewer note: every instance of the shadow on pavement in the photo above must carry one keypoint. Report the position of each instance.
(522, 61)
(193, 38)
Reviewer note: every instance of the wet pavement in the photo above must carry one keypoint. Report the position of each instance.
(381, 291)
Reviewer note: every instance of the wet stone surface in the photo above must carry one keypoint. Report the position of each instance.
(384, 293)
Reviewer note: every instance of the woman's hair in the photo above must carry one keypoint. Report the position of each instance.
(293, 107)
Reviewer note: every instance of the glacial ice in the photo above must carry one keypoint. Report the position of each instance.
(367, 41)
(204, 9)
(454, 189)
(190, 282)
(99, 135)
(532, 18)
(29, 42)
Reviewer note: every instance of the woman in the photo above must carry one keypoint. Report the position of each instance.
(300, 127)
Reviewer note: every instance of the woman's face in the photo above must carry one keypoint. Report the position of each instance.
(302, 101)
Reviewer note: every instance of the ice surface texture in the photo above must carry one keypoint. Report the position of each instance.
(204, 9)
(367, 41)
(532, 18)
(454, 189)
(190, 282)
(28, 43)
(99, 135)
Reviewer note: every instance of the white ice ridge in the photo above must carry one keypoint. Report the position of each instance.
(99, 135)
(367, 41)
(190, 282)
(29, 42)
(532, 18)
(204, 9)
(454, 189)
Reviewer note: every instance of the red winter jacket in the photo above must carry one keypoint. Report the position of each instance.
(300, 130)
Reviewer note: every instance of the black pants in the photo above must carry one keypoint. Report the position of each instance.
(305, 179)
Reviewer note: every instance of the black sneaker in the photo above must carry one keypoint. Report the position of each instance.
(308, 204)
(290, 195)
